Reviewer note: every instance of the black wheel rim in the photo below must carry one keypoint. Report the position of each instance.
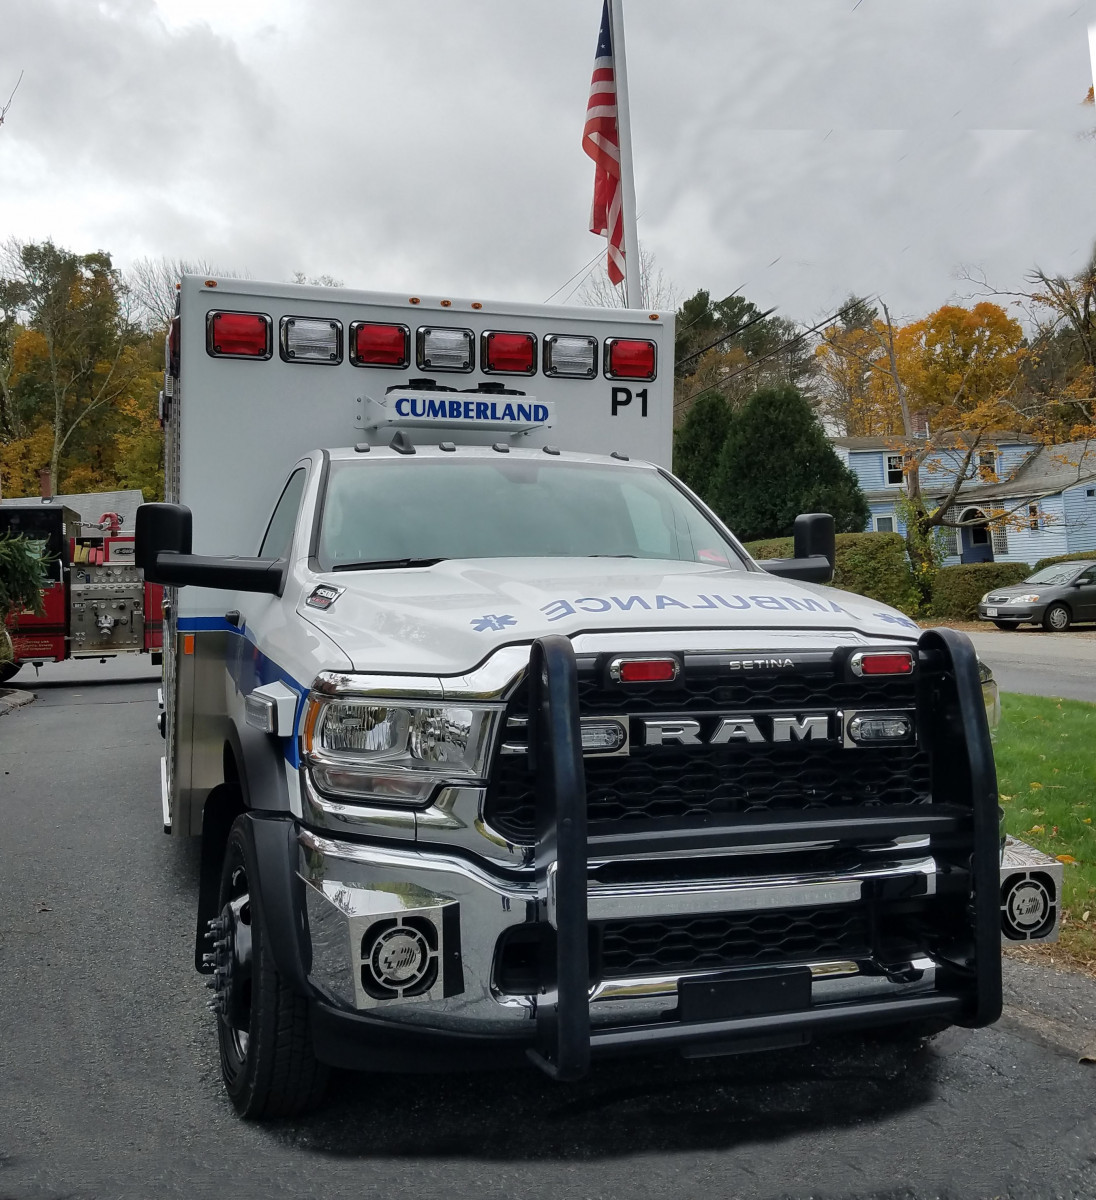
(232, 970)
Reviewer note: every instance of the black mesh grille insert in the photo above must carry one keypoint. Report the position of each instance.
(693, 783)
(652, 947)
(696, 784)
(754, 693)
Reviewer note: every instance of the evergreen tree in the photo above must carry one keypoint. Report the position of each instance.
(776, 463)
(699, 442)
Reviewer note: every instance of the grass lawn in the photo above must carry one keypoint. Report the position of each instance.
(1046, 773)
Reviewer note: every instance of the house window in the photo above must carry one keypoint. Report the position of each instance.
(1090, 493)
(987, 465)
(895, 473)
(1033, 516)
(999, 537)
(884, 524)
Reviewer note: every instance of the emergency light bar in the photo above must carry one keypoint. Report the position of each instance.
(374, 345)
(446, 349)
(407, 407)
(570, 357)
(238, 335)
(311, 339)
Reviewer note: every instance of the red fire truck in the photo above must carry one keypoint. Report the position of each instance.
(96, 603)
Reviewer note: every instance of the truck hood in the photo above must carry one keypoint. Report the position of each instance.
(446, 619)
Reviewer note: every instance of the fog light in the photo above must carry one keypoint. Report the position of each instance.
(602, 737)
(880, 729)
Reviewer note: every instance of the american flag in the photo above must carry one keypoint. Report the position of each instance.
(601, 141)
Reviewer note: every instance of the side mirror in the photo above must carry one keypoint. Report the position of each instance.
(162, 551)
(161, 527)
(814, 547)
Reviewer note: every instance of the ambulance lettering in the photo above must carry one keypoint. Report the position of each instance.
(558, 609)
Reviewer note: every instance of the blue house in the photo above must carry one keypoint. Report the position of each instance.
(1019, 501)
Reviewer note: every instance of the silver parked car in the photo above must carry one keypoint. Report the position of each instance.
(1054, 597)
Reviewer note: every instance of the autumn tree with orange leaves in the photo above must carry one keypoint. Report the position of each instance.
(78, 378)
(942, 387)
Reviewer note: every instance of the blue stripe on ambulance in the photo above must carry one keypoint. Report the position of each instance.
(251, 668)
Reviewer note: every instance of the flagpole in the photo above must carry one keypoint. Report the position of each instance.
(632, 292)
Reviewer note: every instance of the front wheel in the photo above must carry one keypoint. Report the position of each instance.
(267, 1061)
(1056, 619)
(1007, 624)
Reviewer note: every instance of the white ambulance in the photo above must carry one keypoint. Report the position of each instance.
(499, 744)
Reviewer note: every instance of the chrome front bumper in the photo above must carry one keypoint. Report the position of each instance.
(352, 889)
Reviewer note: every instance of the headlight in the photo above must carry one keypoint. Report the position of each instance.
(398, 752)
(984, 598)
(1029, 599)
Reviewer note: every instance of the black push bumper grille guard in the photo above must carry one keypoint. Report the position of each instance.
(963, 815)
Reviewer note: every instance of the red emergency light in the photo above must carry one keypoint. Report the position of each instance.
(379, 345)
(886, 662)
(630, 358)
(643, 670)
(238, 335)
(508, 353)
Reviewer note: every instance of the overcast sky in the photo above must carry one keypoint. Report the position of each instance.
(798, 149)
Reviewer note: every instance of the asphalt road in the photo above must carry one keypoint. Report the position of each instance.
(109, 1084)
(1037, 663)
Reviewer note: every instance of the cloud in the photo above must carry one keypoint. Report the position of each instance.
(804, 149)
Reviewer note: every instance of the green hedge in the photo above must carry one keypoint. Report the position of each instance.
(1049, 562)
(869, 564)
(957, 590)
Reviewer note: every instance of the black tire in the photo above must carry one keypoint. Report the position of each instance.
(267, 1061)
(1057, 618)
(1007, 624)
(8, 670)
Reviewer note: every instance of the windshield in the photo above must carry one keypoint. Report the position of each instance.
(1059, 573)
(389, 512)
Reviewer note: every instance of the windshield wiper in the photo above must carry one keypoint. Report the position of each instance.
(612, 556)
(380, 564)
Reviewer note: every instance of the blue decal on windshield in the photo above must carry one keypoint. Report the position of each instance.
(490, 622)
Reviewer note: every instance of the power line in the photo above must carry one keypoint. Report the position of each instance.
(586, 267)
(771, 354)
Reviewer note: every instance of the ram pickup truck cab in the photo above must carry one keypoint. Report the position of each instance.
(502, 748)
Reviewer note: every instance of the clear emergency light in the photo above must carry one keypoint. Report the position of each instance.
(570, 357)
(446, 349)
(311, 339)
(373, 345)
(630, 358)
(508, 353)
(239, 335)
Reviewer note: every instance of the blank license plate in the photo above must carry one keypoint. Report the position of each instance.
(745, 993)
